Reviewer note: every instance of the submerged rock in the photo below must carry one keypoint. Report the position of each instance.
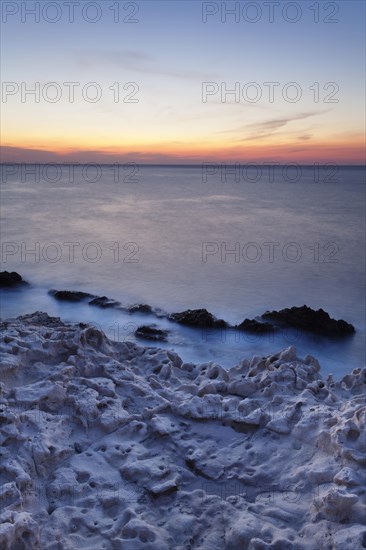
(147, 310)
(198, 318)
(251, 325)
(11, 280)
(140, 308)
(104, 302)
(100, 301)
(150, 332)
(310, 320)
(70, 295)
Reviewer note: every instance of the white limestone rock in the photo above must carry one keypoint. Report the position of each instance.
(111, 446)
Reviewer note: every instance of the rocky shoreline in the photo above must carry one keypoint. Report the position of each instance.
(315, 321)
(303, 318)
(109, 445)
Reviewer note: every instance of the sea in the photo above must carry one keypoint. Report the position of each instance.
(237, 240)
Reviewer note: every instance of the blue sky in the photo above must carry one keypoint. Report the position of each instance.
(169, 53)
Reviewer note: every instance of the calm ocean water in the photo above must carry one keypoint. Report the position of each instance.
(237, 241)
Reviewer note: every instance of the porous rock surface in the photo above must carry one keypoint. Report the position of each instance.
(109, 445)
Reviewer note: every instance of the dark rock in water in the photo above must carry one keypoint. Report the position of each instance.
(103, 301)
(148, 310)
(140, 308)
(310, 320)
(251, 325)
(11, 280)
(70, 295)
(198, 318)
(151, 333)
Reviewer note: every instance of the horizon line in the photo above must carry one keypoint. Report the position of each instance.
(186, 165)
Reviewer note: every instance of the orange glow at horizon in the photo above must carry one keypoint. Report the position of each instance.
(350, 150)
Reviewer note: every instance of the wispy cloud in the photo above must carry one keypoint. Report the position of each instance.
(270, 127)
(140, 62)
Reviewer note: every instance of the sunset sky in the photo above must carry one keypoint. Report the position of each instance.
(168, 53)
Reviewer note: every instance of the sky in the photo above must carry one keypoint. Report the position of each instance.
(151, 81)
